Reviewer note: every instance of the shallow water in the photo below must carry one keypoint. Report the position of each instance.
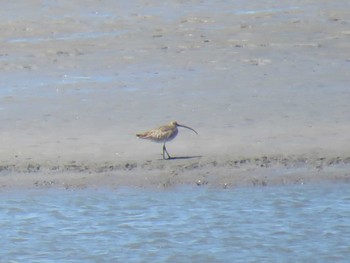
(271, 224)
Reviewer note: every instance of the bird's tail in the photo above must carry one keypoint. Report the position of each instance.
(141, 135)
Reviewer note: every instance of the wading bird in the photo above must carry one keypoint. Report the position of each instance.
(163, 134)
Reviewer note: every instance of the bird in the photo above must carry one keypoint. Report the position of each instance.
(163, 134)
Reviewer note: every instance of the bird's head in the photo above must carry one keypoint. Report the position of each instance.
(174, 123)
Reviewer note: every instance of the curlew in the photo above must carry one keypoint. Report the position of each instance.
(163, 134)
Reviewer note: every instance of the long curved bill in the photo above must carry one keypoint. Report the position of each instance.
(183, 126)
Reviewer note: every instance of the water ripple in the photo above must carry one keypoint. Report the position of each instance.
(294, 223)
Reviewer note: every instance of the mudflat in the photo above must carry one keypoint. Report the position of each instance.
(265, 84)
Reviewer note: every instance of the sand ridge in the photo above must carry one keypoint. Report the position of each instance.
(220, 172)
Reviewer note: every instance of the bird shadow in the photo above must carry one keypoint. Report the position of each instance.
(183, 157)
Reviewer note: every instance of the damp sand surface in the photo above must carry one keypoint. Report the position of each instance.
(264, 83)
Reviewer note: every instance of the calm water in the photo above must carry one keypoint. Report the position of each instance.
(271, 224)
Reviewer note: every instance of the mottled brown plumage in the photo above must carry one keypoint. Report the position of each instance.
(163, 134)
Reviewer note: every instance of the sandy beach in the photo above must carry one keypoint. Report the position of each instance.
(265, 84)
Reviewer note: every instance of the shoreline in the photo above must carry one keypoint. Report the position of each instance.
(215, 172)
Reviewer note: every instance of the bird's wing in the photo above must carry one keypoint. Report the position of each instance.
(159, 134)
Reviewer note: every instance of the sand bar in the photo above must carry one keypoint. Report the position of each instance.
(266, 85)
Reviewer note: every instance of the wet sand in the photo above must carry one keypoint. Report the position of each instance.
(264, 84)
(210, 172)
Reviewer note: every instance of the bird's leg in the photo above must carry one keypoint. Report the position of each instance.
(164, 150)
